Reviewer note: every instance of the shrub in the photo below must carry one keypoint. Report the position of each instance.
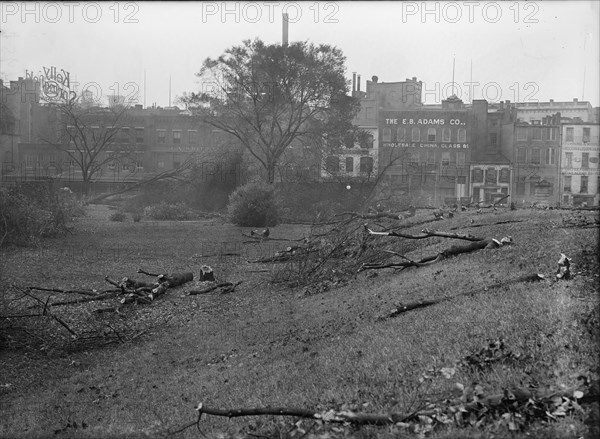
(169, 212)
(118, 217)
(137, 217)
(253, 205)
(33, 210)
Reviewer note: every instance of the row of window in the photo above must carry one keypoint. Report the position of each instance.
(538, 156)
(583, 183)
(490, 176)
(585, 160)
(570, 134)
(430, 157)
(332, 164)
(537, 133)
(432, 135)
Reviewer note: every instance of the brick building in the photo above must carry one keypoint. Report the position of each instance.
(579, 170)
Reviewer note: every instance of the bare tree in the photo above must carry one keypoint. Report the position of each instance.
(87, 136)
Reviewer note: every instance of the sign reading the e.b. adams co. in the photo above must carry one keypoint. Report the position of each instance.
(424, 129)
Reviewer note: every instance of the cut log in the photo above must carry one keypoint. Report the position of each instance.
(229, 286)
(135, 284)
(172, 280)
(425, 233)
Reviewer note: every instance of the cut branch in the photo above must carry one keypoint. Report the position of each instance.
(426, 233)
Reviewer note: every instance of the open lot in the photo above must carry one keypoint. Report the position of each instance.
(267, 345)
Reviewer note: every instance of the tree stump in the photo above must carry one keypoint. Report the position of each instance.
(206, 274)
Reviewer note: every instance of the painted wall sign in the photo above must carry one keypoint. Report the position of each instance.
(55, 84)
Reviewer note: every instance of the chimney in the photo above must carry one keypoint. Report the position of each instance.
(575, 100)
(353, 82)
(551, 101)
(375, 79)
(358, 83)
(414, 79)
(284, 40)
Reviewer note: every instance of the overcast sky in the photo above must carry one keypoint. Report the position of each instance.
(519, 51)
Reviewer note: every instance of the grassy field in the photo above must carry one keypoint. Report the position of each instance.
(267, 345)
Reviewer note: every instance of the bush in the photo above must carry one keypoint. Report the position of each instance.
(169, 212)
(118, 217)
(137, 217)
(33, 210)
(253, 205)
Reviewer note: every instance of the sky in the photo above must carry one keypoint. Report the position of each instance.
(517, 51)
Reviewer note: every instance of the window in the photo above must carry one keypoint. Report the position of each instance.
(520, 188)
(567, 187)
(477, 175)
(192, 138)
(366, 164)
(552, 133)
(161, 136)
(544, 133)
(416, 134)
(521, 155)
(400, 134)
(569, 134)
(537, 133)
(431, 134)
(586, 135)
(493, 139)
(460, 158)
(446, 158)
(491, 176)
(446, 135)
(111, 166)
(124, 135)
(176, 137)
(349, 164)
(585, 160)
(584, 185)
(430, 157)
(139, 135)
(387, 134)
(569, 160)
(413, 157)
(332, 164)
(521, 133)
(504, 176)
(535, 156)
(462, 135)
(367, 141)
(161, 164)
(549, 156)
(139, 164)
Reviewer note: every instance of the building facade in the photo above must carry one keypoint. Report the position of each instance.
(535, 154)
(579, 170)
(428, 151)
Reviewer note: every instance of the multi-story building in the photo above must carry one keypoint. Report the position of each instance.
(579, 171)
(490, 169)
(428, 151)
(158, 140)
(362, 157)
(534, 151)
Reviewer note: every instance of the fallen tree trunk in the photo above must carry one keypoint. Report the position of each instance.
(426, 233)
(425, 303)
(214, 287)
(452, 251)
(169, 281)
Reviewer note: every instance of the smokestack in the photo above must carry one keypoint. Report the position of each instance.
(353, 82)
(284, 41)
(358, 83)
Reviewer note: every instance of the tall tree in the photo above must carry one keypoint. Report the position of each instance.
(270, 97)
